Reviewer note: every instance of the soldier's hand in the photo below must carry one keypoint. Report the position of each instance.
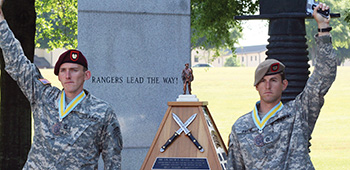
(322, 22)
(318, 17)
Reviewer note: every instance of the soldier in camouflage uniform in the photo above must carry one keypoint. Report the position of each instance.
(66, 136)
(276, 136)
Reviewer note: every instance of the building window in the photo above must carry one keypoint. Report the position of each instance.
(242, 59)
(256, 58)
(196, 59)
(218, 60)
(251, 58)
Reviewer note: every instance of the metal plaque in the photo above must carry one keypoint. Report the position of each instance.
(181, 163)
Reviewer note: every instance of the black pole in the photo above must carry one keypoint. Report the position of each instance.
(15, 113)
(287, 43)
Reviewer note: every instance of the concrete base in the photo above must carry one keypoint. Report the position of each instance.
(187, 98)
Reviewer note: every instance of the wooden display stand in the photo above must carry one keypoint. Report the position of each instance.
(202, 128)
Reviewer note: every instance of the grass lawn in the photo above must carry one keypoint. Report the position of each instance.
(230, 94)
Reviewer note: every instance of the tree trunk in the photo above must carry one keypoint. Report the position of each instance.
(15, 113)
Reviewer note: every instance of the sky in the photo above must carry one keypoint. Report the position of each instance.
(255, 32)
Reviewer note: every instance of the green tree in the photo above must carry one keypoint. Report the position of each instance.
(340, 31)
(212, 22)
(347, 16)
(213, 25)
(231, 61)
(56, 23)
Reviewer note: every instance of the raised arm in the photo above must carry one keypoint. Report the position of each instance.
(312, 98)
(17, 64)
(322, 22)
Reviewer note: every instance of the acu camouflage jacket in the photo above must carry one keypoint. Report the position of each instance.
(286, 135)
(89, 130)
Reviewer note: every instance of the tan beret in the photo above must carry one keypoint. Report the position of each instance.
(268, 67)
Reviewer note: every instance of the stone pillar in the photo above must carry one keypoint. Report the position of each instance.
(136, 51)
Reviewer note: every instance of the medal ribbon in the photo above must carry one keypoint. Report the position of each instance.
(261, 123)
(63, 110)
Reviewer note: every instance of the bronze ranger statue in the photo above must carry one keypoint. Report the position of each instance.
(187, 77)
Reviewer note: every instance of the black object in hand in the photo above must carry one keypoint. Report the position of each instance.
(324, 13)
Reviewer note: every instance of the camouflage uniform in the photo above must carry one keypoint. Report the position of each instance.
(286, 135)
(90, 129)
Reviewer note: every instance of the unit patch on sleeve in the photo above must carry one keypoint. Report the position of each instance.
(44, 81)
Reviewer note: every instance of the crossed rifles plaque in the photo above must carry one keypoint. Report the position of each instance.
(193, 144)
(183, 128)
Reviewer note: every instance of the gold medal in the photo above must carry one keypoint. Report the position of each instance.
(260, 124)
(63, 110)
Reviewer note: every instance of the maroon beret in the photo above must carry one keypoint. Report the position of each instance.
(70, 56)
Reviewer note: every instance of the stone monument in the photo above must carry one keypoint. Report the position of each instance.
(136, 51)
